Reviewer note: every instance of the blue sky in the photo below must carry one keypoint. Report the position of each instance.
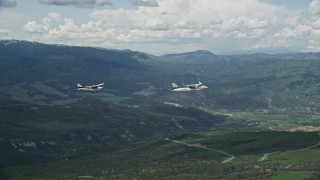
(167, 26)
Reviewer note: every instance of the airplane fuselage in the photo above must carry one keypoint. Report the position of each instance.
(182, 89)
(98, 89)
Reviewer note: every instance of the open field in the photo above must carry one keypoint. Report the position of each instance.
(163, 143)
(190, 156)
(295, 175)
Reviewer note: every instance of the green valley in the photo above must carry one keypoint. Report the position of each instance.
(259, 118)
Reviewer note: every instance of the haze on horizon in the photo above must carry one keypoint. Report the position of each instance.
(167, 26)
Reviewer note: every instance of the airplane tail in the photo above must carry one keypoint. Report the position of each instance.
(174, 85)
(79, 85)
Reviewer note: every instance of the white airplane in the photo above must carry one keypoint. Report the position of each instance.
(93, 88)
(189, 87)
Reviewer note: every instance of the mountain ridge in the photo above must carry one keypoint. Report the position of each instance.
(47, 74)
(12, 41)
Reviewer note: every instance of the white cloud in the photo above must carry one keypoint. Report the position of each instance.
(44, 28)
(313, 45)
(299, 30)
(4, 31)
(272, 42)
(68, 26)
(6, 34)
(54, 16)
(292, 20)
(199, 23)
(33, 27)
(314, 7)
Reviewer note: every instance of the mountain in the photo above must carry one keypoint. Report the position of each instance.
(199, 56)
(45, 74)
(251, 82)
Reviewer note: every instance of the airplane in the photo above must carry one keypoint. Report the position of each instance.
(93, 88)
(189, 87)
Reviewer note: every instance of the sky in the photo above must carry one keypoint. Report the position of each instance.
(167, 26)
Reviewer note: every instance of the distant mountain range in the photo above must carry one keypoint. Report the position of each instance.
(45, 74)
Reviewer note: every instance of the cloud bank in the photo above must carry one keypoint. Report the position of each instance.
(314, 7)
(164, 25)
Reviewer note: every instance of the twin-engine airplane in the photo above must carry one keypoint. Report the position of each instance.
(93, 88)
(189, 87)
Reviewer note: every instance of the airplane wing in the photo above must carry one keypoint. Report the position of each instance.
(192, 86)
(96, 86)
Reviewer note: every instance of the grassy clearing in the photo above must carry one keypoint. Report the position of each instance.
(274, 121)
(294, 175)
(295, 156)
(254, 142)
